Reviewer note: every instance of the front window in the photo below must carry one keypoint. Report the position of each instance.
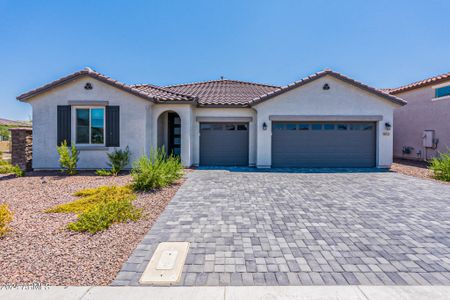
(443, 91)
(90, 126)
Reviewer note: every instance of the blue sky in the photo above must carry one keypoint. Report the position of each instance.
(382, 43)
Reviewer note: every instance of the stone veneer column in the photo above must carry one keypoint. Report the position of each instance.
(22, 147)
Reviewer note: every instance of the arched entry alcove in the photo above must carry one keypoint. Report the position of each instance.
(169, 132)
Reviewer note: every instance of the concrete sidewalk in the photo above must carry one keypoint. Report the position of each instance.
(232, 293)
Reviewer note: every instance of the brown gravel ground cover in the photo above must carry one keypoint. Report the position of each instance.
(40, 249)
(414, 168)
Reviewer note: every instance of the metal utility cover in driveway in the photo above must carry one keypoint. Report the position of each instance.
(323, 144)
(166, 264)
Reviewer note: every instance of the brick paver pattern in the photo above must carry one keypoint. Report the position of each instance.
(275, 228)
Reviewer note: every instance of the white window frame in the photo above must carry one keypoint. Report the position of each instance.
(75, 125)
(438, 86)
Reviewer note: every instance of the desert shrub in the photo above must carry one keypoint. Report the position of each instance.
(118, 159)
(7, 168)
(68, 159)
(103, 172)
(100, 207)
(103, 215)
(6, 217)
(157, 171)
(441, 166)
(89, 198)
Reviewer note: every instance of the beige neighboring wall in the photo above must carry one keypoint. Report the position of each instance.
(422, 112)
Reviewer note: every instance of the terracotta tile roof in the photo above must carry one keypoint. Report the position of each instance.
(323, 73)
(152, 93)
(162, 94)
(223, 92)
(418, 84)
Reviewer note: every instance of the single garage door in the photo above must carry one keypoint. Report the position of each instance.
(224, 144)
(323, 144)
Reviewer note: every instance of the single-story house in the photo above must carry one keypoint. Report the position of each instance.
(324, 120)
(422, 127)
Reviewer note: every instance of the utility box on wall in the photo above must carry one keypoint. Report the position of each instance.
(428, 138)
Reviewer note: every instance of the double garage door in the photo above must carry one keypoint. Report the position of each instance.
(294, 144)
(323, 144)
(224, 144)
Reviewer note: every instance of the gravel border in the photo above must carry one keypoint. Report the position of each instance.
(414, 168)
(39, 249)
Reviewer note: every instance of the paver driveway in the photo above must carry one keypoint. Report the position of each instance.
(270, 228)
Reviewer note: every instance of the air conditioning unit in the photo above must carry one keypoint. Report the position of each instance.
(428, 138)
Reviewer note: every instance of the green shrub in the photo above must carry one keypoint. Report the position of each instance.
(7, 168)
(6, 217)
(441, 166)
(157, 171)
(100, 207)
(68, 159)
(89, 198)
(103, 172)
(118, 159)
(103, 215)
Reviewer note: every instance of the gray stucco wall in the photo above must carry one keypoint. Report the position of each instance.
(421, 113)
(139, 120)
(134, 112)
(342, 99)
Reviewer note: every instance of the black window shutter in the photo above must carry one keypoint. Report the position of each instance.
(112, 126)
(64, 124)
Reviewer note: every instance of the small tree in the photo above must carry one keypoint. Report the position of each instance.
(68, 159)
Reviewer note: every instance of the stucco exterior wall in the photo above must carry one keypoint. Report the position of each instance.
(421, 113)
(186, 116)
(139, 120)
(133, 117)
(225, 112)
(341, 99)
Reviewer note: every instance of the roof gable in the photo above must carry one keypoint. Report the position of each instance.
(321, 74)
(152, 93)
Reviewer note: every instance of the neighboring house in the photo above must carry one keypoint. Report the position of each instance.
(422, 127)
(6, 124)
(324, 120)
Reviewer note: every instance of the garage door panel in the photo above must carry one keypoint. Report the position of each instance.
(341, 145)
(223, 144)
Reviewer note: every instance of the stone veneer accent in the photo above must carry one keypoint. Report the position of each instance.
(22, 147)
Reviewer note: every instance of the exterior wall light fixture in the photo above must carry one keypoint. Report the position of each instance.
(387, 126)
(264, 126)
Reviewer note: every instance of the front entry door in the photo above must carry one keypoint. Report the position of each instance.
(174, 127)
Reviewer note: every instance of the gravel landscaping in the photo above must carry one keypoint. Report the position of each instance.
(414, 168)
(40, 249)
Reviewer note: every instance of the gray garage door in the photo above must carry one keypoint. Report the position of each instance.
(224, 144)
(322, 145)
